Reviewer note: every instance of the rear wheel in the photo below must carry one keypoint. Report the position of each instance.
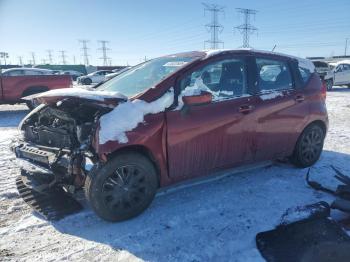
(123, 188)
(329, 84)
(309, 146)
(87, 81)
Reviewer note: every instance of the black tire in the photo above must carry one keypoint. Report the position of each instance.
(309, 146)
(122, 188)
(87, 81)
(329, 84)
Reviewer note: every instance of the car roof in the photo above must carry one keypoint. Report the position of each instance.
(205, 54)
(27, 68)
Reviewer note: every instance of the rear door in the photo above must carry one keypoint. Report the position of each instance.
(215, 135)
(280, 107)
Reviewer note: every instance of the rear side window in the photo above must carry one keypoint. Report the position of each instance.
(305, 74)
(32, 72)
(14, 73)
(273, 75)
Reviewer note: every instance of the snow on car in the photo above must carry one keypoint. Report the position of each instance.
(139, 137)
(226, 211)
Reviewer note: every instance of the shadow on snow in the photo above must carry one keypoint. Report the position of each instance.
(216, 220)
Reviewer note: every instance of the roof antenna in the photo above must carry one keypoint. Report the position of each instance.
(273, 49)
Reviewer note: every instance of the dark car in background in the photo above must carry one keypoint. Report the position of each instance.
(322, 68)
(196, 114)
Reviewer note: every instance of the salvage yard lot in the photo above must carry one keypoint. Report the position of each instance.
(211, 221)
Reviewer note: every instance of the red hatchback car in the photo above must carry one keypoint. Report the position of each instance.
(174, 118)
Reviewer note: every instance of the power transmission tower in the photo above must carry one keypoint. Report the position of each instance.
(49, 56)
(346, 45)
(104, 50)
(63, 56)
(4, 55)
(20, 60)
(33, 58)
(246, 29)
(85, 51)
(214, 27)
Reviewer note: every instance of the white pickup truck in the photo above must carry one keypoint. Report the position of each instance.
(340, 75)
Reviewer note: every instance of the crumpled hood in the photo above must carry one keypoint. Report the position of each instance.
(103, 98)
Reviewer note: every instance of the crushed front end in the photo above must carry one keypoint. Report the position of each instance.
(53, 150)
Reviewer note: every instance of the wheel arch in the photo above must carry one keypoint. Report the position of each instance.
(34, 90)
(141, 149)
(320, 123)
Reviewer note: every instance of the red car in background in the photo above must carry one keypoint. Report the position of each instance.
(174, 118)
(17, 83)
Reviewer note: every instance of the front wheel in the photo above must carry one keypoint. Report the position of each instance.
(329, 84)
(123, 188)
(309, 146)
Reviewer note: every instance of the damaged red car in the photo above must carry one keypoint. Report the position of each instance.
(167, 120)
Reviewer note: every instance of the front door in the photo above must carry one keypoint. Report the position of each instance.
(216, 135)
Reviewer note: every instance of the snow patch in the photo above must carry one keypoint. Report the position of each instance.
(126, 116)
(194, 90)
(271, 95)
(80, 92)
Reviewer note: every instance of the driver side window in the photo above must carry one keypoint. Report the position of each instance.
(223, 79)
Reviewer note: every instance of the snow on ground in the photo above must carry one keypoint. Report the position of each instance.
(214, 221)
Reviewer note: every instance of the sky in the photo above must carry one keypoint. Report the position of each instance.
(146, 29)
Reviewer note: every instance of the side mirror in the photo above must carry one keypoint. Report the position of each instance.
(203, 98)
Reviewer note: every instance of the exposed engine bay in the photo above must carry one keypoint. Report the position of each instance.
(56, 140)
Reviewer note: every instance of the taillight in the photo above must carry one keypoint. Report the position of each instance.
(324, 90)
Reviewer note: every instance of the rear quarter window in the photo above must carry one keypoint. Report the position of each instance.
(305, 74)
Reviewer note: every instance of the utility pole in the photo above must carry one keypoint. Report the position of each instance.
(49, 56)
(214, 28)
(104, 50)
(63, 56)
(246, 29)
(33, 58)
(85, 51)
(20, 60)
(346, 45)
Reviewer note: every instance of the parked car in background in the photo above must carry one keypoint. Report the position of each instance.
(18, 83)
(74, 74)
(175, 118)
(116, 73)
(95, 77)
(322, 68)
(340, 75)
(23, 71)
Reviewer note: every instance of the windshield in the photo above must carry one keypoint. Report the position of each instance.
(144, 76)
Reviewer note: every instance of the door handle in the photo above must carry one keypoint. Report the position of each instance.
(245, 109)
(299, 98)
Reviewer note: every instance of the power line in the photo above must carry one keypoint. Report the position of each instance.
(20, 60)
(49, 56)
(346, 45)
(246, 29)
(85, 51)
(214, 27)
(33, 58)
(63, 56)
(104, 50)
